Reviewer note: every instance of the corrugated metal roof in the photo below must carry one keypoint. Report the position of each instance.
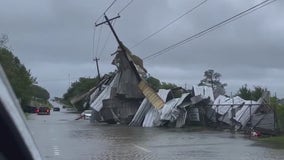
(140, 114)
(151, 117)
(244, 109)
(166, 111)
(203, 91)
(146, 108)
(105, 94)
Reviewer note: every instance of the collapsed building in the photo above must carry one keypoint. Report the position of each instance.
(239, 114)
(125, 97)
(117, 97)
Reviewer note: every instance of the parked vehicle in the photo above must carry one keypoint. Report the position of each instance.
(43, 111)
(56, 109)
(86, 114)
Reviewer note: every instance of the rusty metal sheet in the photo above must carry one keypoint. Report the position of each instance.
(151, 95)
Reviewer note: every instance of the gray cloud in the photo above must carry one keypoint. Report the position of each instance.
(54, 39)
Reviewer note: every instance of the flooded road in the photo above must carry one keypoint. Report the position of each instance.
(60, 137)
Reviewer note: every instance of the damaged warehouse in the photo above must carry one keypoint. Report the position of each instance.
(124, 97)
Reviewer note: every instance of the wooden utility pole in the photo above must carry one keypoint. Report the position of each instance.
(98, 69)
(113, 31)
(107, 20)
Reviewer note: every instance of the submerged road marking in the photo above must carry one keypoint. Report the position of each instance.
(56, 150)
(142, 148)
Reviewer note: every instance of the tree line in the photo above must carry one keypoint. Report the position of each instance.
(23, 83)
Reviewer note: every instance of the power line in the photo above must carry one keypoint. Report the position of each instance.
(93, 46)
(125, 6)
(105, 43)
(99, 39)
(110, 6)
(212, 28)
(112, 3)
(170, 23)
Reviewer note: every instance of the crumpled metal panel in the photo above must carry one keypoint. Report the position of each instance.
(181, 118)
(151, 118)
(167, 110)
(140, 114)
(173, 111)
(243, 109)
(223, 104)
(243, 115)
(204, 91)
(147, 113)
(105, 94)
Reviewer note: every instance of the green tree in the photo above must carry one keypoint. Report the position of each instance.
(20, 78)
(247, 94)
(154, 83)
(165, 85)
(80, 87)
(279, 109)
(244, 92)
(40, 92)
(212, 79)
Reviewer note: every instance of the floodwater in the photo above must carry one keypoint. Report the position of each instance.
(60, 137)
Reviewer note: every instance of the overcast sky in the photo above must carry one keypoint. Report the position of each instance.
(54, 39)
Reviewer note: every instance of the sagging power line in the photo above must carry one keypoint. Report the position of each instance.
(125, 6)
(112, 3)
(212, 28)
(170, 23)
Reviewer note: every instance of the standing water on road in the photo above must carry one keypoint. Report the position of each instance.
(61, 137)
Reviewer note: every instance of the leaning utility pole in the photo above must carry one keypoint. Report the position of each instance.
(98, 69)
(116, 37)
(111, 27)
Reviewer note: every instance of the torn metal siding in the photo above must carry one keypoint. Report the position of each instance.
(127, 82)
(141, 112)
(236, 109)
(97, 104)
(166, 111)
(151, 118)
(173, 111)
(147, 113)
(204, 91)
(119, 101)
(224, 105)
(245, 113)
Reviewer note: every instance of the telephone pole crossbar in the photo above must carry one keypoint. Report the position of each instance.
(113, 31)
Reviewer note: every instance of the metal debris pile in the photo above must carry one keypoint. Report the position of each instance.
(125, 98)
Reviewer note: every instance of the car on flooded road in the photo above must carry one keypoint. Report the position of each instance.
(86, 114)
(56, 109)
(43, 111)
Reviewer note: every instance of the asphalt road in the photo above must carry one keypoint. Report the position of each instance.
(60, 137)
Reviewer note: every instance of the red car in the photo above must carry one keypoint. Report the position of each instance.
(43, 111)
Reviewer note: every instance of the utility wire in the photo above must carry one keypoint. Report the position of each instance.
(170, 23)
(110, 6)
(105, 43)
(212, 28)
(125, 6)
(112, 3)
(99, 39)
(93, 46)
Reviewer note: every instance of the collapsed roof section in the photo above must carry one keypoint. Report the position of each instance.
(120, 99)
(243, 114)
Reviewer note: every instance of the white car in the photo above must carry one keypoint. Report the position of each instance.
(86, 114)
